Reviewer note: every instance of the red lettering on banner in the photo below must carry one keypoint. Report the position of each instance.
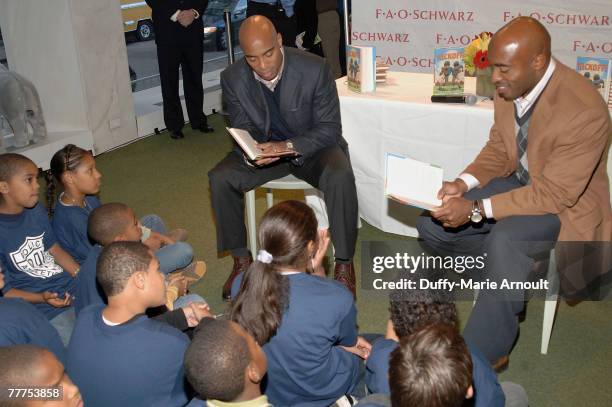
(592, 48)
(443, 15)
(414, 62)
(460, 39)
(562, 19)
(380, 37)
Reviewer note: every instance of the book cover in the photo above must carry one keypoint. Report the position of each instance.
(597, 71)
(361, 68)
(412, 182)
(449, 71)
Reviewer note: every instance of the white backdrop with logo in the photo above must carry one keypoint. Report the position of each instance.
(406, 32)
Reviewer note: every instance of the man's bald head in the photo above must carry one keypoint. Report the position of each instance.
(256, 29)
(262, 46)
(519, 53)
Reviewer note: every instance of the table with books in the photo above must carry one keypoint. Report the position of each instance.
(399, 118)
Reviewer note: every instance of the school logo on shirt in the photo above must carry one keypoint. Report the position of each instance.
(34, 260)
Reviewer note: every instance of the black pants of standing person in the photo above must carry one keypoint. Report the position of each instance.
(286, 26)
(512, 246)
(329, 170)
(190, 59)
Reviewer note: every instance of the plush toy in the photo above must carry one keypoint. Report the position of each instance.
(20, 106)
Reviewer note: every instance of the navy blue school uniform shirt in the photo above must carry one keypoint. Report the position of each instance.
(25, 240)
(22, 324)
(305, 365)
(70, 227)
(487, 391)
(88, 291)
(137, 363)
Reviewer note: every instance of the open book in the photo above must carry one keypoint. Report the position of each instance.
(412, 182)
(249, 145)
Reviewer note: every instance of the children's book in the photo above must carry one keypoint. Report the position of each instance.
(597, 71)
(361, 68)
(249, 145)
(413, 182)
(449, 71)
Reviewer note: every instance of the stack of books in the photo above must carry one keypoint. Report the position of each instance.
(381, 73)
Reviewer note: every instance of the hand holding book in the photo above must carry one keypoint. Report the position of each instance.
(260, 153)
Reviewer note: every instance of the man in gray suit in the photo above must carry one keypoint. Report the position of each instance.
(287, 100)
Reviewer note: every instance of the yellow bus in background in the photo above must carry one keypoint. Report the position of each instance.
(137, 18)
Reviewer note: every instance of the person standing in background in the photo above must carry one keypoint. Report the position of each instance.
(179, 36)
(329, 31)
(282, 15)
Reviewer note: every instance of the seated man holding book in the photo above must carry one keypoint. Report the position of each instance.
(540, 178)
(287, 100)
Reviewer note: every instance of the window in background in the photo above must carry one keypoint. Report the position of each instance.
(139, 40)
(215, 39)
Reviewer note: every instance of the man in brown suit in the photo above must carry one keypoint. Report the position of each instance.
(540, 178)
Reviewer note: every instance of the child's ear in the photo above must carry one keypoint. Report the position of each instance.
(253, 373)
(67, 178)
(140, 279)
(312, 248)
(470, 393)
(4, 187)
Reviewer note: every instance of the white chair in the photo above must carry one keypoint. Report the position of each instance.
(314, 200)
(550, 303)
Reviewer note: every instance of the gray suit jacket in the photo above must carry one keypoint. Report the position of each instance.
(308, 98)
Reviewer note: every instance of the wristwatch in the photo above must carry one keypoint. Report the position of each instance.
(289, 145)
(476, 215)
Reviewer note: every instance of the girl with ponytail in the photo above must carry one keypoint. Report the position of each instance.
(306, 323)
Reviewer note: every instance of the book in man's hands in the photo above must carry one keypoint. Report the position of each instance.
(250, 147)
(413, 182)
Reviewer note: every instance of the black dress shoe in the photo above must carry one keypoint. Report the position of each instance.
(176, 134)
(205, 129)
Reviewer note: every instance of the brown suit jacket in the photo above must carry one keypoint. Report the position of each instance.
(567, 150)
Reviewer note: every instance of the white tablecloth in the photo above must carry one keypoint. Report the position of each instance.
(400, 118)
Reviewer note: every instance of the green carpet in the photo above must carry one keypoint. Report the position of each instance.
(169, 178)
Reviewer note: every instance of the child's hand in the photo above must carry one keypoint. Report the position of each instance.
(157, 240)
(361, 349)
(55, 300)
(195, 311)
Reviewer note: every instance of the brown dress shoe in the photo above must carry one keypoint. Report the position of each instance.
(241, 264)
(345, 273)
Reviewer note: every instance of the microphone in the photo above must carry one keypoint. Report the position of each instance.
(468, 99)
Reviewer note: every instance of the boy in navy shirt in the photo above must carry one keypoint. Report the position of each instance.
(22, 324)
(410, 310)
(225, 366)
(431, 367)
(117, 356)
(36, 268)
(116, 222)
(36, 368)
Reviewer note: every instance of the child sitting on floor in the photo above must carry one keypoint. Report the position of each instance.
(117, 356)
(75, 169)
(36, 268)
(410, 310)
(225, 366)
(37, 369)
(307, 323)
(116, 222)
